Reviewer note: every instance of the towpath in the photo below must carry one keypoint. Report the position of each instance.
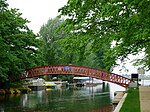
(144, 98)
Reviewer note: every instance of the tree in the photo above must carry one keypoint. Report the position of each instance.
(82, 45)
(52, 51)
(18, 44)
(123, 22)
(57, 51)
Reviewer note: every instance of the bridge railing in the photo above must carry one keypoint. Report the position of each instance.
(75, 70)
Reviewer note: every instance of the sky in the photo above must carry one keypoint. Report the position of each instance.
(37, 12)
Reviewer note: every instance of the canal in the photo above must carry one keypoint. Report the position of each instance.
(83, 99)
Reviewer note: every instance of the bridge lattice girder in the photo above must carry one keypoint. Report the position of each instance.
(74, 70)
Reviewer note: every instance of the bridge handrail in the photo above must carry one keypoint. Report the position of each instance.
(75, 70)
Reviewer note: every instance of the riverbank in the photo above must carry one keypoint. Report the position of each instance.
(117, 97)
(128, 101)
(137, 100)
(132, 101)
(14, 91)
(119, 105)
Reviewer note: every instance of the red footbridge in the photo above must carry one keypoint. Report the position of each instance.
(74, 70)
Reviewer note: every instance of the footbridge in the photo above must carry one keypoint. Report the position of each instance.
(74, 70)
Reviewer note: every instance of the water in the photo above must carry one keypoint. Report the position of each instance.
(85, 99)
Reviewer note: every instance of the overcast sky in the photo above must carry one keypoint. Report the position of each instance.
(37, 11)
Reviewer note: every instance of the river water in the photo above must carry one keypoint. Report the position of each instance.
(85, 99)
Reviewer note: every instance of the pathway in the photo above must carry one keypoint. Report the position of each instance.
(144, 98)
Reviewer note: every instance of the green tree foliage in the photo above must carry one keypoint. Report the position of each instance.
(18, 44)
(82, 44)
(123, 22)
(56, 50)
(51, 49)
(60, 47)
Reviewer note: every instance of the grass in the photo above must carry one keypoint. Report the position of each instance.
(132, 101)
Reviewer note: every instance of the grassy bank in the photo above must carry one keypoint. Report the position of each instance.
(132, 101)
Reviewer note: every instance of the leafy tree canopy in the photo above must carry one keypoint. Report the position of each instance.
(56, 50)
(18, 44)
(125, 23)
(51, 49)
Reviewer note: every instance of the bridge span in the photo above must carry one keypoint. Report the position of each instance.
(74, 70)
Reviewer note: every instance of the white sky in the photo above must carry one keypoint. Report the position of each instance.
(37, 11)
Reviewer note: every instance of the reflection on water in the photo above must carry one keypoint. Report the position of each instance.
(86, 99)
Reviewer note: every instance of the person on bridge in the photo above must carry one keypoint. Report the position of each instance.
(67, 68)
